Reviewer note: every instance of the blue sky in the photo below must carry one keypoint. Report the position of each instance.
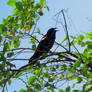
(79, 11)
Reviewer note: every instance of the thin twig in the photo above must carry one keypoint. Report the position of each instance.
(67, 35)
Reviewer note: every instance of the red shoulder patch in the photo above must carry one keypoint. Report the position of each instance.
(44, 37)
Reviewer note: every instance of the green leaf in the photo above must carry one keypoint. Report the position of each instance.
(65, 38)
(84, 71)
(9, 82)
(89, 75)
(63, 67)
(11, 45)
(19, 6)
(73, 37)
(16, 42)
(42, 2)
(10, 64)
(47, 75)
(11, 2)
(33, 39)
(47, 8)
(77, 91)
(79, 79)
(51, 79)
(33, 47)
(68, 89)
(60, 90)
(73, 77)
(37, 86)
(38, 30)
(80, 37)
(88, 35)
(67, 76)
(10, 54)
(71, 70)
(2, 58)
(15, 11)
(3, 29)
(22, 90)
(73, 86)
(18, 75)
(9, 37)
(31, 80)
(1, 38)
(88, 83)
(38, 72)
(73, 42)
(61, 76)
(77, 63)
(52, 68)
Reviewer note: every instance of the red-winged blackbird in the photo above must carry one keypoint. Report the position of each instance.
(44, 45)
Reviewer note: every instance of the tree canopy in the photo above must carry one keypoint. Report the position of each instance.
(53, 69)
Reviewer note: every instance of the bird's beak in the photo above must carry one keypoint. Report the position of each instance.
(56, 29)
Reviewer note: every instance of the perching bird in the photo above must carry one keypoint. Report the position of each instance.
(44, 45)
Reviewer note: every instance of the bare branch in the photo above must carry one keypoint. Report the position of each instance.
(66, 30)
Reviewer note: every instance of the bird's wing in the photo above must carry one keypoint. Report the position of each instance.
(44, 37)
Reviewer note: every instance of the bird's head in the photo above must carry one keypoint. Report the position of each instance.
(52, 31)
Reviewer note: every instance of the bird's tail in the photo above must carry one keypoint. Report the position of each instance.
(33, 59)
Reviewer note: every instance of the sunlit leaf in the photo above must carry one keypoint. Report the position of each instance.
(73, 77)
(42, 2)
(67, 76)
(22, 90)
(80, 37)
(38, 72)
(60, 90)
(65, 38)
(11, 45)
(11, 2)
(73, 42)
(31, 80)
(71, 70)
(18, 75)
(33, 39)
(38, 30)
(88, 35)
(77, 63)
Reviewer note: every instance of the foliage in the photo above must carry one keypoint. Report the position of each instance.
(68, 65)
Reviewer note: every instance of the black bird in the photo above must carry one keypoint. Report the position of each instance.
(44, 45)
